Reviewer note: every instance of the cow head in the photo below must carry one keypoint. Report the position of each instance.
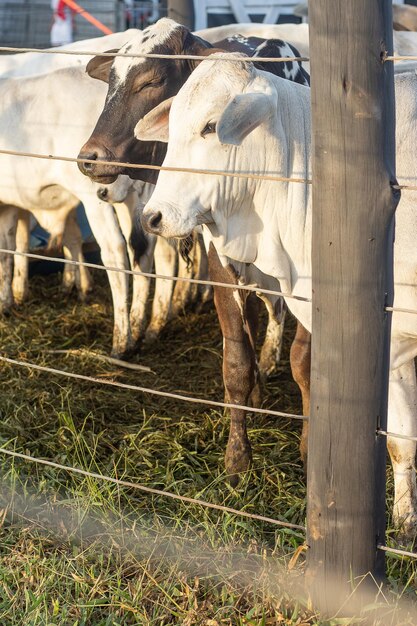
(136, 86)
(211, 127)
(117, 191)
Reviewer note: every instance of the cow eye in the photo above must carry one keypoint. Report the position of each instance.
(208, 129)
(154, 83)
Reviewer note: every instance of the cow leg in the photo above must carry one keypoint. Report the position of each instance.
(73, 250)
(252, 310)
(191, 293)
(402, 412)
(183, 290)
(165, 264)
(20, 284)
(205, 292)
(300, 360)
(140, 284)
(106, 230)
(140, 295)
(239, 365)
(7, 242)
(272, 345)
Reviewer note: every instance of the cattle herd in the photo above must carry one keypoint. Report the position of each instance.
(207, 115)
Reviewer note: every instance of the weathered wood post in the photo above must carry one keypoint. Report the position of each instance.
(353, 207)
(182, 11)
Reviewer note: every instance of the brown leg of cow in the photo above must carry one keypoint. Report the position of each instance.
(300, 359)
(253, 306)
(239, 364)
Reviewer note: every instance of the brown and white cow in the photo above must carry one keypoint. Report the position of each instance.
(136, 86)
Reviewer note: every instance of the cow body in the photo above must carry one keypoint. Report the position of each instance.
(136, 85)
(35, 117)
(269, 223)
(32, 64)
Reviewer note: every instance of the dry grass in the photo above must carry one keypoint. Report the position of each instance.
(76, 551)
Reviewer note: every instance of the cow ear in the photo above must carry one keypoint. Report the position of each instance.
(99, 67)
(197, 46)
(242, 115)
(154, 126)
(202, 52)
(398, 26)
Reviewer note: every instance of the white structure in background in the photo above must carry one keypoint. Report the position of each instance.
(302, 8)
(242, 10)
(140, 14)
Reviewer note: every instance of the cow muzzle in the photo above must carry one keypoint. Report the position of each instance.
(105, 173)
(166, 220)
(152, 221)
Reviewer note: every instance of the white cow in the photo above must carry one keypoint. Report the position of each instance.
(257, 122)
(83, 96)
(53, 114)
(31, 63)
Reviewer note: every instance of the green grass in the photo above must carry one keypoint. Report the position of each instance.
(79, 551)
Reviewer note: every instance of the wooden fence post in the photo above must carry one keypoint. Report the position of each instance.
(182, 11)
(353, 206)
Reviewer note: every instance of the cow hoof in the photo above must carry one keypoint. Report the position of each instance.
(20, 296)
(123, 355)
(84, 298)
(20, 300)
(6, 307)
(151, 336)
(138, 336)
(137, 345)
(233, 480)
(237, 461)
(67, 287)
(407, 529)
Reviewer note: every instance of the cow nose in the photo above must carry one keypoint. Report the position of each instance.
(155, 220)
(151, 221)
(102, 193)
(87, 168)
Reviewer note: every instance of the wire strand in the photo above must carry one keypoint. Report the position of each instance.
(396, 309)
(405, 187)
(195, 281)
(386, 433)
(397, 551)
(158, 492)
(171, 57)
(163, 168)
(156, 392)
(400, 58)
(180, 57)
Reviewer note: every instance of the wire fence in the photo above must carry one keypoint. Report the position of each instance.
(151, 490)
(184, 57)
(156, 392)
(252, 288)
